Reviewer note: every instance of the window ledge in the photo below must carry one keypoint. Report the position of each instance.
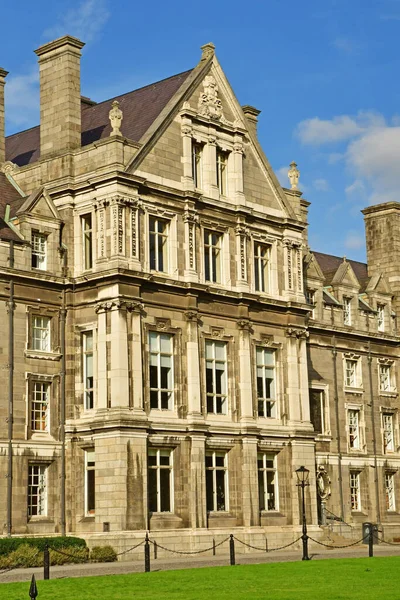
(42, 355)
(39, 519)
(323, 437)
(356, 390)
(87, 519)
(271, 513)
(42, 436)
(391, 394)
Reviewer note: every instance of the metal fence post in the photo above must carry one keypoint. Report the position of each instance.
(232, 550)
(33, 589)
(155, 550)
(213, 547)
(147, 554)
(371, 541)
(46, 562)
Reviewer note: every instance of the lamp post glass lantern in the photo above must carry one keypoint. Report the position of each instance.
(302, 482)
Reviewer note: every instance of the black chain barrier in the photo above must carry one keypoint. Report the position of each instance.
(339, 547)
(130, 549)
(190, 552)
(382, 541)
(266, 550)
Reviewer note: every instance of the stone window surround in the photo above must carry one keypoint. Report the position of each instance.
(171, 217)
(272, 243)
(81, 328)
(268, 343)
(45, 463)
(86, 209)
(213, 452)
(361, 427)
(391, 472)
(51, 313)
(172, 471)
(395, 424)
(86, 451)
(356, 472)
(358, 388)
(323, 387)
(45, 233)
(30, 379)
(162, 325)
(274, 469)
(225, 257)
(217, 334)
(392, 392)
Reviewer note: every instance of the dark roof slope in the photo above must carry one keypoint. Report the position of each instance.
(140, 108)
(8, 195)
(329, 265)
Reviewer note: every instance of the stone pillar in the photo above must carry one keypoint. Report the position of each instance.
(187, 179)
(136, 357)
(60, 95)
(237, 175)
(303, 378)
(245, 385)
(250, 500)
(241, 251)
(251, 115)
(102, 369)
(119, 372)
(111, 456)
(3, 75)
(303, 454)
(190, 218)
(197, 500)
(101, 211)
(137, 513)
(209, 167)
(193, 365)
(293, 383)
(117, 227)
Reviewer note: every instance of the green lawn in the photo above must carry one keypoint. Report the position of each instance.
(336, 579)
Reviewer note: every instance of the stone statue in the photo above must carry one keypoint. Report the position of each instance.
(115, 115)
(209, 103)
(293, 175)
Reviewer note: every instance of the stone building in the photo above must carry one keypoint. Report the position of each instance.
(160, 337)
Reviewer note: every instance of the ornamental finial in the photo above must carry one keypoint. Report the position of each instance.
(293, 175)
(115, 115)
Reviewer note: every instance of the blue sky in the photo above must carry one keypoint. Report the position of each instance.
(324, 74)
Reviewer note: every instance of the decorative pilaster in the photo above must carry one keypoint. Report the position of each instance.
(297, 389)
(294, 266)
(102, 367)
(245, 385)
(136, 356)
(242, 235)
(101, 209)
(250, 501)
(117, 227)
(193, 365)
(191, 220)
(197, 506)
(134, 219)
(209, 170)
(237, 157)
(187, 132)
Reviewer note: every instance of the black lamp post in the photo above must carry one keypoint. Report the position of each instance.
(302, 482)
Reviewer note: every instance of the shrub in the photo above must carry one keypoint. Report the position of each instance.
(23, 556)
(103, 554)
(8, 545)
(69, 556)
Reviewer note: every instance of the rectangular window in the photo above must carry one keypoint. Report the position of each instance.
(212, 256)
(197, 152)
(160, 480)
(41, 333)
(261, 267)
(351, 377)
(87, 349)
(347, 311)
(390, 492)
(354, 429)
(161, 371)
(90, 482)
(39, 244)
(384, 378)
(37, 491)
(40, 406)
(267, 482)
(217, 481)
(87, 241)
(380, 310)
(310, 299)
(355, 496)
(266, 399)
(158, 231)
(216, 377)
(318, 410)
(222, 172)
(388, 432)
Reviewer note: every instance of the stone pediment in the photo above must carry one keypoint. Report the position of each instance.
(40, 204)
(379, 285)
(345, 276)
(312, 270)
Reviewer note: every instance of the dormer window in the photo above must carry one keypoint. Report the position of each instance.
(197, 156)
(347, 311)
(222, 172)
(39, 248)
(381, 317)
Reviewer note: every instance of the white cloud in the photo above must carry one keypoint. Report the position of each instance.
(356, 188)
(335, 157)
(318, 131)
(354, 240)
(346, 45)
(321, 185)
(84, 22)
(22, 98)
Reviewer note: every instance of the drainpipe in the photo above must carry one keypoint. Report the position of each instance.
(10, 309)
(339, 449)
(371, 391)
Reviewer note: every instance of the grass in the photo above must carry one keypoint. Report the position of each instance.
(338, 579)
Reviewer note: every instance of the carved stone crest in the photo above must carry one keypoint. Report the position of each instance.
(209, 103)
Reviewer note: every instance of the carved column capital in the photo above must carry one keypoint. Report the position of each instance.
(298, 333)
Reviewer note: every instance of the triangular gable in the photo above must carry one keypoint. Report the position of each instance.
(345, 276)
(312, 270)
(378, 284)
(39, 203)
(188, 95)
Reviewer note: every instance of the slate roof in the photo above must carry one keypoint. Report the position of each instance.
(329, 265)
(140, 108)
(8, 195)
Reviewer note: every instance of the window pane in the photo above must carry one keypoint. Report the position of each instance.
(152, 479)
(220, 478)
(209, 490)
(165, 490)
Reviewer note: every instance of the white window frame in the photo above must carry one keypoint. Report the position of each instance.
(385, 377)
(347, 316)
(264, 472)
(39, 251)
(310, 300)
(222, 158)
(159, 356)
(197, 164)
(390, 491)
(380, 316)
(388, 432)
(41, 333)
(158, 467)
(90, 466)
(160, 242)
(213, 469)
(262, 270)
(355, 440)
(87, 353)
(216, 400)
(268, 405)
(324, 407)
(214, 253)
(40, 406)
(352, 372)
(355, 491)
(37, 490)
(86, 221)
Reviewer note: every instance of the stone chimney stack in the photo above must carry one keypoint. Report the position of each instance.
(3, 75)
(251, 115)
(60, 95)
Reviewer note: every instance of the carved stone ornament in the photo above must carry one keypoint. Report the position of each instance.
(244, 325)
(9, 167)
(323, 483)
(115, 115)
(119, 303)
(293, 175)
(209, 103)
(300, 334)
